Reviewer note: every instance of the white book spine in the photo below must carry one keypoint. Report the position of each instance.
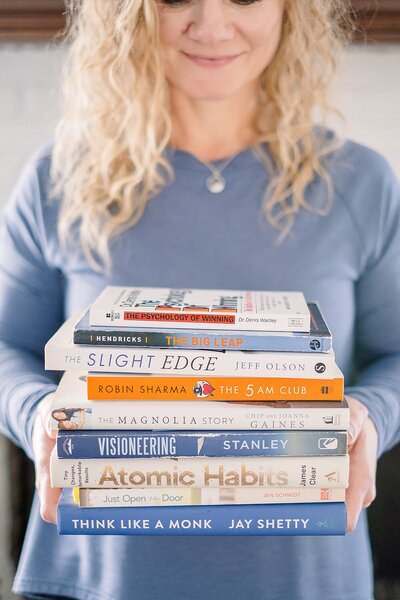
(272, 322)
(275, 472)
(201, 309)
(213, 416)
(189, 362)
(96, 498)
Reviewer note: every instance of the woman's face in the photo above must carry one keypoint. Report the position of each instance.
(69, 425)
(59, 415)
(214, 49)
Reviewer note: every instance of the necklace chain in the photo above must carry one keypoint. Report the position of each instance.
(215, 182)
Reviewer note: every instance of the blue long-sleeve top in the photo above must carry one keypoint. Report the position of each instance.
(347, 261)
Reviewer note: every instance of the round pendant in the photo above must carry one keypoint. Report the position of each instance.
(215, 184)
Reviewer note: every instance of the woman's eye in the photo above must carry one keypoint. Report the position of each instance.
(180, 2)
(174, 2)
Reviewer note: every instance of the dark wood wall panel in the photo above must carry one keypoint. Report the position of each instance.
(30, 20)
(378, 20)
(38, 20)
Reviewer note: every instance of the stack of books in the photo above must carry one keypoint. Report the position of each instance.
(198, 412)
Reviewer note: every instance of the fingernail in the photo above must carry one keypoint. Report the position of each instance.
(352, 431)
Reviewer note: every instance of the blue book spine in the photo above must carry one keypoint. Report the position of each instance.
(244, 519)
(149, 444)
(318, 340)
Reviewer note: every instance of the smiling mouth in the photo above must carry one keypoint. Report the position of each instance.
(210, 61)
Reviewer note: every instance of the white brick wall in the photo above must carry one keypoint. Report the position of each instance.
(368, 94)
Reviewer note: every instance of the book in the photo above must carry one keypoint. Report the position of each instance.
(94, 497)
(276, 471)
(243, 519)
(189, 308)
(233, 389)
(156, 444)
(61, 354)
(318, 340)
(71, 409)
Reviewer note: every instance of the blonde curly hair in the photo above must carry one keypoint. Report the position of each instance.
(109, 154)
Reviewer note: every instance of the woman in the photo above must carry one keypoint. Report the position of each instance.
(188, 157)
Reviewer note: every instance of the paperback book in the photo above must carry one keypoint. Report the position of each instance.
(94, 497)
(61, 354)
(158, 444)
(318, 340)
(200, 309)
(261, 519)
(275, 472)
(71, 409)
(233, 389)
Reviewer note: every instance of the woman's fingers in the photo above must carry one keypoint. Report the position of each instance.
(44, 410)
(42, 446)
(363, 445)
(48, 498)
(358, 416)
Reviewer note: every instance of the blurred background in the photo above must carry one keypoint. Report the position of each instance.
(368, 95)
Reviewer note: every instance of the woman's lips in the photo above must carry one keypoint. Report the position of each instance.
(211, 62)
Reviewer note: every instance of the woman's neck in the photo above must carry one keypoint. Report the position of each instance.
(212, 130)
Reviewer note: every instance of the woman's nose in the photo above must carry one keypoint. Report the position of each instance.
(211, 22)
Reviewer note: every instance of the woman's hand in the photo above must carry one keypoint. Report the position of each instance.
(43, 443)
(362, 447)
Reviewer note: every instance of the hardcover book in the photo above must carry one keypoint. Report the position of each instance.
(72, 410)
(61, 354)
(233, 389)
(156, 444)
(261, 519)
(274, 472)
(200, 309)
(94, 497)
(318, 340)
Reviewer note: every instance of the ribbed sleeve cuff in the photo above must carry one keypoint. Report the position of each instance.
(26, 436)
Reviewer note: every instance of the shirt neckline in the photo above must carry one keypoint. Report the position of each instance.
(181, 159)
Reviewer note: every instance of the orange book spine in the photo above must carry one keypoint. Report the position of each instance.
(240, 389)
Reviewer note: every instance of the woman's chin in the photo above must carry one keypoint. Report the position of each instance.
(211, 93)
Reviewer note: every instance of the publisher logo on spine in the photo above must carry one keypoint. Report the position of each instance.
(315, 344)
(327, 443)
(331, 420)
(320, 367)
(295, 322)
(112, 315)
(68, 446)
(326, 389)
(333, 476)
(203, 389)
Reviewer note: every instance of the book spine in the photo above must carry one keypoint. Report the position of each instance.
(210, 341)
(194, 320)
(133, 444)
(253, 310)
(214, 416)
(255, 389)
(95, 498)
(278, 519)
(326, 471)
(189, 362)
